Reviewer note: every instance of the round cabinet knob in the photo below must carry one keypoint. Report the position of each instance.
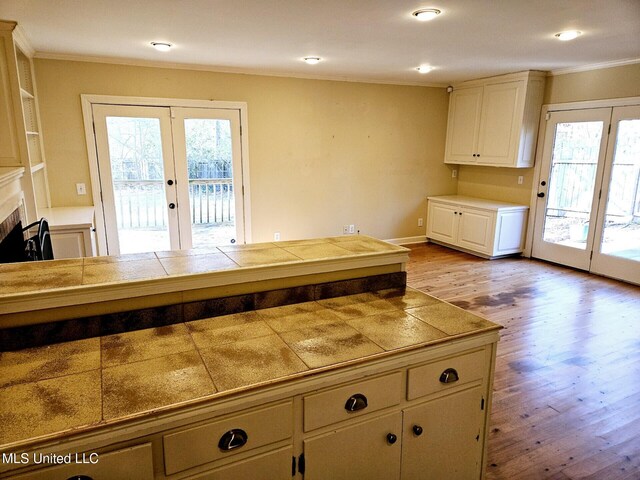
(417, 430)
(169, 182)
(541, 195)
(543, 183)
(391, 438)
(172, 206)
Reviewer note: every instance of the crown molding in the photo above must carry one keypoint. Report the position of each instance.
(222, 69)
(593, 66)
(21, 39)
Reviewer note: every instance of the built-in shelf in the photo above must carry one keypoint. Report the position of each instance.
(21, 122)
(25, 94)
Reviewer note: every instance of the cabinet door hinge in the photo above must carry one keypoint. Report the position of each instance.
(547, 116)
(482, 404)
(609, 131)
(599, 194)
(240, 130)
(301, 464)
(591, 255)
(293, 466)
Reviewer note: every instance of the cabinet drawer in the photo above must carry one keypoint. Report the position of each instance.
(274, 465)
(214, 440)
(133, 463)
(351, 401)
(426, 379)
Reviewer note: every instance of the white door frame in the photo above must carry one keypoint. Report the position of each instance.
(88, 100)
(565, 255)
(604, 264)
(180, 154)
(108, 204)
(557, 107)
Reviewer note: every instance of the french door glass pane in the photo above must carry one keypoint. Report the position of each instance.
(137, 169)
(211, 198)
(574, 164)
(621, 235)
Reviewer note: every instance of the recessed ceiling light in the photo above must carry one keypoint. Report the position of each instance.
(568, 35)
(311, 60)
(426, 14)
(424, 68)
(161, 46)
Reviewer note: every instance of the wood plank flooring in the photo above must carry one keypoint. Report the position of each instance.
(566, 399)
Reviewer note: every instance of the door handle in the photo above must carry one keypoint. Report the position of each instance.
(540, 194)
(172, 206)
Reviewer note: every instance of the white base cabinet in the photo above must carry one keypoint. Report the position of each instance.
(483, 227)
(420, 414)
(71, 230)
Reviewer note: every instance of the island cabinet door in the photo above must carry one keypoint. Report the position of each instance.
(368, 450)
(442, 438)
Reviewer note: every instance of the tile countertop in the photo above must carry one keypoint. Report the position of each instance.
(50, 392)
(83, 280)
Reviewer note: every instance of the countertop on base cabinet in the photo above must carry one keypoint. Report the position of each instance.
(483, 227)
(272, 390)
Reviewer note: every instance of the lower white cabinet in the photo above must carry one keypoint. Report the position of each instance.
(371, 449)
(421, 414)
(441, 439)
(484, 227)
(133, 463)
(71, 230)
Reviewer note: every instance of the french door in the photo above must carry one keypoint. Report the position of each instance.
(588, 212)
(170, 178)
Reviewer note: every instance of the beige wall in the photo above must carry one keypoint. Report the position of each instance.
(502, 183)
(616, 82)
(322, 153)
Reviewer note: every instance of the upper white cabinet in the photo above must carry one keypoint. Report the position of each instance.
(494, 121)
(20, 138)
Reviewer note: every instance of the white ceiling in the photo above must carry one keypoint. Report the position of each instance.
(369, 40)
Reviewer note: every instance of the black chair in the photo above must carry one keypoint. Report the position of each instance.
(38, 246)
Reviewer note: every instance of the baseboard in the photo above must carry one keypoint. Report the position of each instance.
(408, 240)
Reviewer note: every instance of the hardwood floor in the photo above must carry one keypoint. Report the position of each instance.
(566, 399)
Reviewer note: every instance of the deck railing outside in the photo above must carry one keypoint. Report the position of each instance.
(142, 203)
(571, 191)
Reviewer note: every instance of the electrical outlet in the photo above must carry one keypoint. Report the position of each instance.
(520, 180)
(81, 188)
(454, 173)
(276, 237)
(352, 229)
(420, 222)
(345, 229)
